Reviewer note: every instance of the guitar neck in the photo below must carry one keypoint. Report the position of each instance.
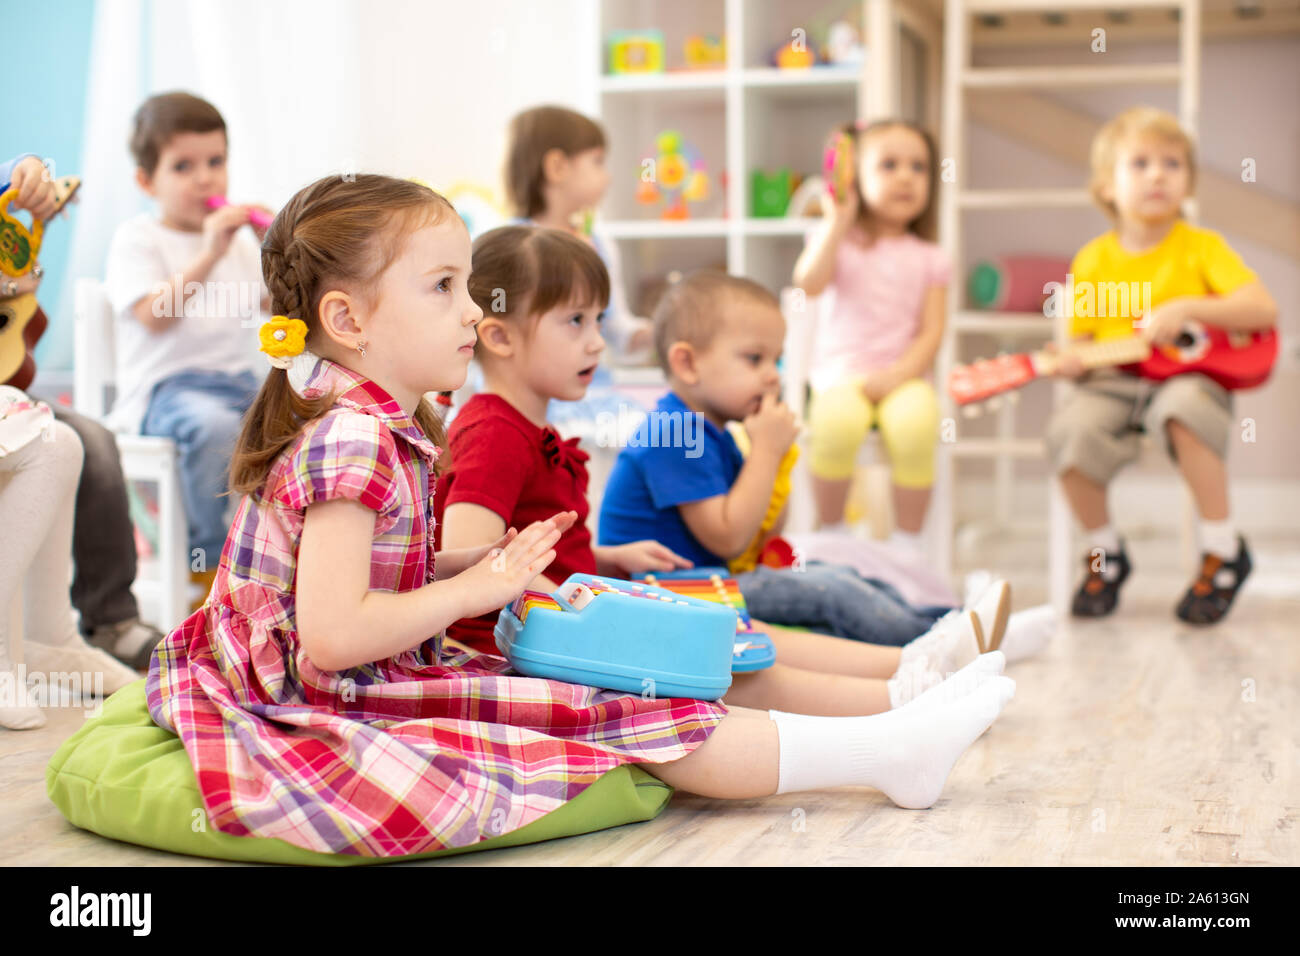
(1124, 351)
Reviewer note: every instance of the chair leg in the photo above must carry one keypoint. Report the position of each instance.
(1060, 546)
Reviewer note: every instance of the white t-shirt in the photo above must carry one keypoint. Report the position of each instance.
(218, 331)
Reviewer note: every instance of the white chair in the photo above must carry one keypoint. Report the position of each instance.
(164, 598)
(801, 313)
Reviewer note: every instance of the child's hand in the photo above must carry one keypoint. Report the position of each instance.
(773, 426)
(499, 577)
(219, 228)
(259, 231)
(35, 188)
(879, 384)
(637, 557)
(1166, 320)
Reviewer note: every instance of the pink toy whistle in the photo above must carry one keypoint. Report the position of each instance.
(258, 218)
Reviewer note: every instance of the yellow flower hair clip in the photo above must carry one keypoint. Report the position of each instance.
(282, 338)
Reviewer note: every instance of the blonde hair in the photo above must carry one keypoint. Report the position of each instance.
(1132, 123)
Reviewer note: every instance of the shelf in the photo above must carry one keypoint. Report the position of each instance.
(705, 228)
(1028, 324)
(996, 447)
(1022, 198)
(1056, 77)
(666, 228)
(777, 226)
(811, 78)
(1047, 6)
(713, 81)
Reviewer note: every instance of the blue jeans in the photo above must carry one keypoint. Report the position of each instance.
(835, 599)
(201, 411)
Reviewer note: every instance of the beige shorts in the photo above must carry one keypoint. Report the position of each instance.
(1098, 429)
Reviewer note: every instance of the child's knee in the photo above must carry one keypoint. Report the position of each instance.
(838, 421)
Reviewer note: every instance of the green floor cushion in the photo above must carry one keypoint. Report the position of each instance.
(124, 777)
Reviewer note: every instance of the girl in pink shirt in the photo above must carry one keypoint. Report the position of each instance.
(879, 331)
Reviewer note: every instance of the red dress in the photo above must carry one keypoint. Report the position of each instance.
(503, 462)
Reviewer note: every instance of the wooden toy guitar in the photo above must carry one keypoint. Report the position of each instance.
(22, 321)
(1236, 360)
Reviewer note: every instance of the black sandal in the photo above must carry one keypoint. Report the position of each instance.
(1211, 594)
(1097, 595)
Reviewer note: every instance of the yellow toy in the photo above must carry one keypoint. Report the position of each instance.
(780, 492)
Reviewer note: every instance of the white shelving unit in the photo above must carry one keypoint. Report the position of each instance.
(960, 78)
(746, 116)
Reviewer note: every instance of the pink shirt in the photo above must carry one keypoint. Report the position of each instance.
(874, 305)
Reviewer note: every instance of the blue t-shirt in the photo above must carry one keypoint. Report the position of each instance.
(676, 457)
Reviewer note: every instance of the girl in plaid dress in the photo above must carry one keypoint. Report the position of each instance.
(311, 691)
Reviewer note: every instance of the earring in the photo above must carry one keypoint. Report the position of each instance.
(361, 347)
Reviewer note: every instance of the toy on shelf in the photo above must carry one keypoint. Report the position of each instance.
(636, 51)
(753, 649)
(255, 216)
(769, 194)
(621, 635)
(794, 55)
(677, 176)
(705, 52)
(1015, 283)
(843, 46)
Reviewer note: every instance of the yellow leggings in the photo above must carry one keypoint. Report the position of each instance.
(908, 418)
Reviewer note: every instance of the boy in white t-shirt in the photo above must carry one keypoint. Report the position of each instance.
(186, 289)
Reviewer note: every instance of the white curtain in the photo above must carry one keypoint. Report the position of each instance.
(314, 87)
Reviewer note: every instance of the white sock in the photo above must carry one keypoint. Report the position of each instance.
(1028, 632)
(837, 528)
(940, 692)
(17, 710)
(1104, 537)
(79, 657)
(949, 645)
(1219, 537)
(906, 753)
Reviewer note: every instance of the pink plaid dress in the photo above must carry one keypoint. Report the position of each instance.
(432, 748)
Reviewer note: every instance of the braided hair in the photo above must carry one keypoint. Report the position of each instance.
(339, 231)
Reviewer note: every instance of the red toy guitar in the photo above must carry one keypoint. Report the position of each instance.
(1235, 360)
(22, 321)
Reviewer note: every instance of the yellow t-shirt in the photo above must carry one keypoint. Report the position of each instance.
(1114, 287)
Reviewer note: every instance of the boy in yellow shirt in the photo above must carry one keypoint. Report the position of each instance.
(1143, 166)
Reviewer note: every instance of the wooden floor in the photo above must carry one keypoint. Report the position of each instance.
(1136, 740)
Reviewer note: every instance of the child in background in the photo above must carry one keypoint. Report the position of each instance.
(187, 371)
(510, 468)
(719, 339)
(875, 345)
(313, 678)
(40, 464)
(555, 176)
(1143, 167)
